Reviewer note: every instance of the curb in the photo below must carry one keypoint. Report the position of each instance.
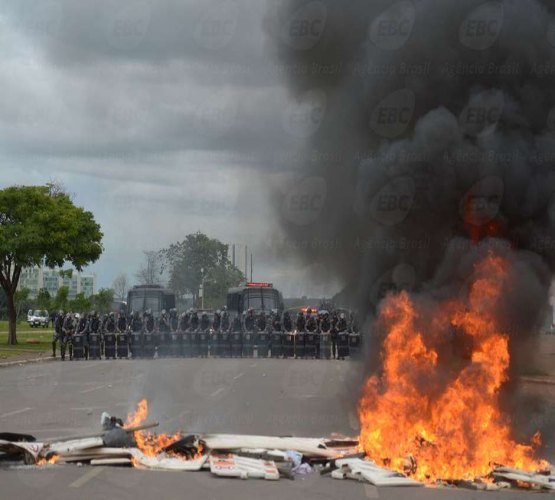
(7, 364)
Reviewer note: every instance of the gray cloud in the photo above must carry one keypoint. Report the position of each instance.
(162, 117)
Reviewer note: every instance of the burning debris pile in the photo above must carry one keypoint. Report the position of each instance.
(445, 417)
(132, 444)
(442, 221)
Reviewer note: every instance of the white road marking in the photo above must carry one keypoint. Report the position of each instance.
(254, 365)
(86, 477)
(216, 392)
(16, 412)
(93, 388)
(238, 376)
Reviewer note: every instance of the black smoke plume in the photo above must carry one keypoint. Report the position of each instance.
(436, 143)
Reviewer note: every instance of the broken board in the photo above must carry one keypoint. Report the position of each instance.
(229, 465)
(364, 470)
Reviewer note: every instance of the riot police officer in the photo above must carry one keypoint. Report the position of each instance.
(311, 324)
(194, 324)
(301, 322)
(174, 320)
(183, 322)
(249, 321)
(82, 329)
(163, 322)
(325, 324)
(275, 324)
(68, 329)
(94, 323)
(334, 324)
(136, 324)
(58, 333)
(261, 322)
(225, 324)
(343, 338)
(148, 321)
(110, 323)
(287, 322)
(236, 325)
(204, 322)
(217, 322)
(122, 322)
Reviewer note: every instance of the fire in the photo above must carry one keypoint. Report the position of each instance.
(50, 461)
(150, 444)
(432, 407)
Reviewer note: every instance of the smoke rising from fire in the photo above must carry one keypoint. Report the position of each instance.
(436, 143)
(437, 128)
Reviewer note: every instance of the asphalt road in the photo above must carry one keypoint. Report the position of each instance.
(275, 397)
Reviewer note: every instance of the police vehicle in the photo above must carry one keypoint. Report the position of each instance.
(154, 297)
(259, 296)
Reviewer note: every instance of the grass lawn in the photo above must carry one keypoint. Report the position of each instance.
(31, 340)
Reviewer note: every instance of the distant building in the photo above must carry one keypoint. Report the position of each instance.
(35, 278)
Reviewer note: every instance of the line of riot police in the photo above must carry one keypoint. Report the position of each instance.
(311, 334)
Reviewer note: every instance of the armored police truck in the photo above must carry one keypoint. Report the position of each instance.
(258, 296)
(154, 297)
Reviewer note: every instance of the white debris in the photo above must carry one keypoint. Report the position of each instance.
(230, 465)
(543, 481)
(162, 462)
(309, 447)
(364, 470)
(65, 447)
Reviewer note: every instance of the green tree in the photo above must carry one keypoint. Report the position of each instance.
(198, 260)
(41, 226)
(21, 299)
(43, 299)
(80, 303)
(61, 299)
(103, 300)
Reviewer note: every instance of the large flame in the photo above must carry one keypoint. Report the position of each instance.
(48, 461)
(150, 444)
(437, 421)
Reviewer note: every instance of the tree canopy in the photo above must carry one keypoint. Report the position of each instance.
(199, 259)
(41, 226)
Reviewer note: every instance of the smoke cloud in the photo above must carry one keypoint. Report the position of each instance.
(431, 127)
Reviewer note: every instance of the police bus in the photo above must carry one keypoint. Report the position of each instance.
(258, 296)
(154, 297)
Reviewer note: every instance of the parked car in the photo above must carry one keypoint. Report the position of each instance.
(37, 318)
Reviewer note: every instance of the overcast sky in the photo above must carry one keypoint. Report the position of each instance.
(161, 117)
